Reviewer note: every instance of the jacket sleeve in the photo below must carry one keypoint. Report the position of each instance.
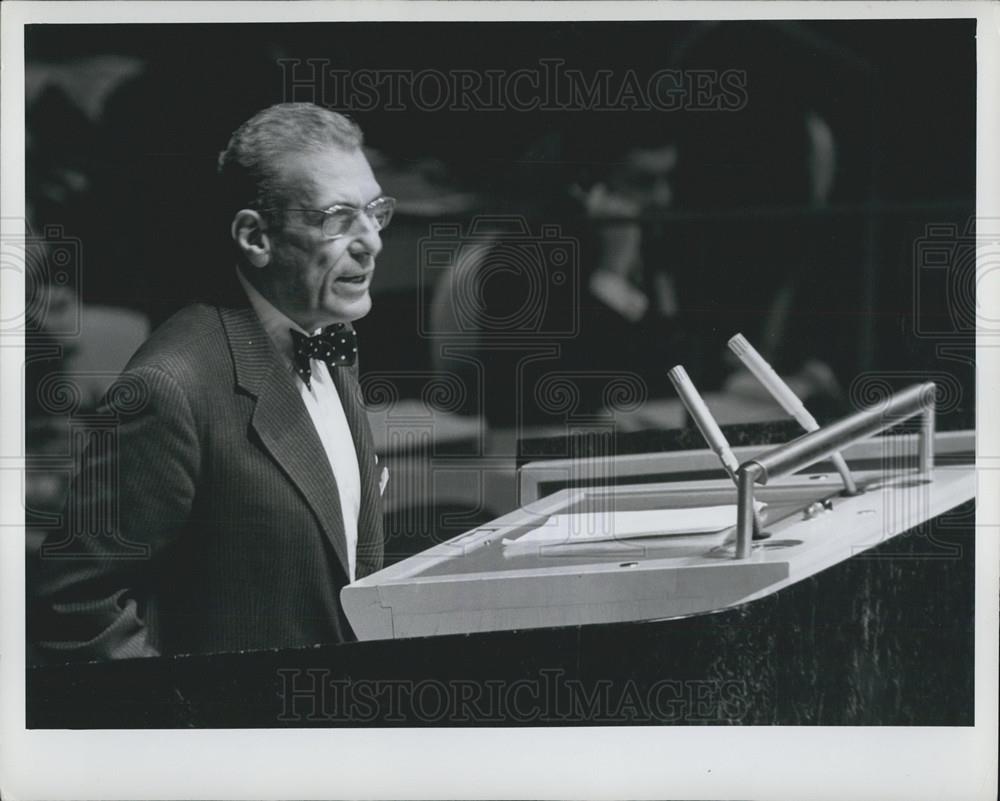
(131, 496)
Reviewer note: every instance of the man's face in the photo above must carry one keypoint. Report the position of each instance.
(314, 280)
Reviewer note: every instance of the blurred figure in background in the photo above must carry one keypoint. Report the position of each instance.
(630, 304)
(615, 311)
(757, 254)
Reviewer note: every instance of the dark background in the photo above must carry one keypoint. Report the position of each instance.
(898, 96)
(125, 122)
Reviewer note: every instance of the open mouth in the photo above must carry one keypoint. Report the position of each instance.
(353, 279)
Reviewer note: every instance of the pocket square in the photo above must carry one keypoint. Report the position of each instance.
(383, 480)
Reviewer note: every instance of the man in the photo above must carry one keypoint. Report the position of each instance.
(239, 492)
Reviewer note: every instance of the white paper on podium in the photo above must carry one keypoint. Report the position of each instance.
(591, 527)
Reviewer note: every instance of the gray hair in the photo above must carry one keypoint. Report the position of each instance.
(248, 166)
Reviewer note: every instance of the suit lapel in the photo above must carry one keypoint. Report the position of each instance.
(282, 422)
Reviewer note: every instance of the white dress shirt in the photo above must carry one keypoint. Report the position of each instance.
(323, 404)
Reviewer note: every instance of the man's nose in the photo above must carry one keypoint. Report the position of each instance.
(367, 240)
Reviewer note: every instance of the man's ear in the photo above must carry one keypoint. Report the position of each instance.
(251, 237)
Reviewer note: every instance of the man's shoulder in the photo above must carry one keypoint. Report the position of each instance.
(189, 342)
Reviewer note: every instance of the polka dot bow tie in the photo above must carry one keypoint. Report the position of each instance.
(336, 345)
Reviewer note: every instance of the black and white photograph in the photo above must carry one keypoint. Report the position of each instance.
(511, 400)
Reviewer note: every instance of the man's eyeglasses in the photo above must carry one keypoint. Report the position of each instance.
(338, 220)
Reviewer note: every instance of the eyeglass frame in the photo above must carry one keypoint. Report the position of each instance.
(366, 210)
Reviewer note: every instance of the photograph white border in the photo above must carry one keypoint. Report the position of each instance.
(649, 762)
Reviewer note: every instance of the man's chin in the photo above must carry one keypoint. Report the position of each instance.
(353, 310)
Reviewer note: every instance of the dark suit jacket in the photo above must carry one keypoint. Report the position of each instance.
(204, 516)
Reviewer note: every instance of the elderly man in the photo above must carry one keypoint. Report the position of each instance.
(240, 491)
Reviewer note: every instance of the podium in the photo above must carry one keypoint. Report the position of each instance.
(508, 575)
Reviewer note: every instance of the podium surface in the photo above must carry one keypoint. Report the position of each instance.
(488, 580)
